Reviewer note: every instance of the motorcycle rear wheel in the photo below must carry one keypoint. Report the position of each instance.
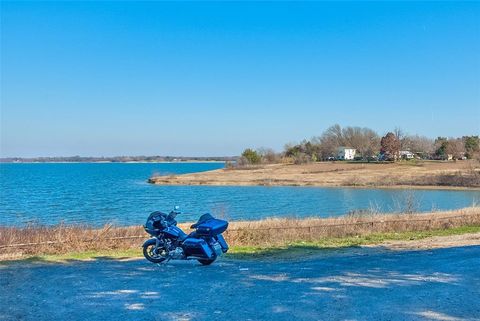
(154, 255)
(206, 262)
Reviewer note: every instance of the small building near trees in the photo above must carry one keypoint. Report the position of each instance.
(346, 153)
(406, 154)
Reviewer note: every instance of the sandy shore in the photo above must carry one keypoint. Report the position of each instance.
(461, 174)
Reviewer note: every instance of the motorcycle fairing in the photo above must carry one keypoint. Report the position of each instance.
(174, 232)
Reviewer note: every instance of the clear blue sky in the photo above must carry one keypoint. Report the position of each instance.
(132, 78)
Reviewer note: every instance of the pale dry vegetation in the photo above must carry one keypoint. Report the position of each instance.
(405, 173)
(61, 239)
(280, 231)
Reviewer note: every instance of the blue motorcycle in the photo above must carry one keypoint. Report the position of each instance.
(204, 244)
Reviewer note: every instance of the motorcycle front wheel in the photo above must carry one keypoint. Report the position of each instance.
(155, 255)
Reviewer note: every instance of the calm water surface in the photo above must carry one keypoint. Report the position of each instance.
(100, 193)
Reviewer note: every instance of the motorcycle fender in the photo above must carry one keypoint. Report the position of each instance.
(222, 242)
(149, 242)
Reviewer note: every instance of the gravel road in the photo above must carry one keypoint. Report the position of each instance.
(356, 284)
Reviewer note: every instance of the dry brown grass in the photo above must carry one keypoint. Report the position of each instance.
(38, 240)
(279, 231)
(64, 239)
(469, 178)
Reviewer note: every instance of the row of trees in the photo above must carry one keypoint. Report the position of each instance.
(466, 146)
(368, 145)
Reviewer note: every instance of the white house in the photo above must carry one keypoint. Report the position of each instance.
(346, 153)
(406, 154)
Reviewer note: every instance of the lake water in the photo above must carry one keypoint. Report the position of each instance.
(100, 193)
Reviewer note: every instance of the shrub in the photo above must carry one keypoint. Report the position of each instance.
(251, 156)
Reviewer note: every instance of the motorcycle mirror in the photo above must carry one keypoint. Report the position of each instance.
(176, 208)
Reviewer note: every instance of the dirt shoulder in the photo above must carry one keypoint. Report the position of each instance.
(412, 174)
(433, 242)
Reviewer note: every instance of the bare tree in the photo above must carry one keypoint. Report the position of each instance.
(456, 148)
(364, 140)
(402, 138)
(268, 155)
(331, 139)
(419, 144)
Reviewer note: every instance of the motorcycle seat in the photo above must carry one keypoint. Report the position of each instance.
(202, 219)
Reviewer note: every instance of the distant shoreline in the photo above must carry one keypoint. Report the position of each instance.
(119, 162)
(119, 159)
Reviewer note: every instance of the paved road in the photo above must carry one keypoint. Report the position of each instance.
(364, 284)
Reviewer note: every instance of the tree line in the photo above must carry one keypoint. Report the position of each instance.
(369, 146)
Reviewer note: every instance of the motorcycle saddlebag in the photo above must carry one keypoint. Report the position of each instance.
(211, 227)
(197, 247)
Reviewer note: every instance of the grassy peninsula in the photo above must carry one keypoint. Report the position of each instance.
(415, 173)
